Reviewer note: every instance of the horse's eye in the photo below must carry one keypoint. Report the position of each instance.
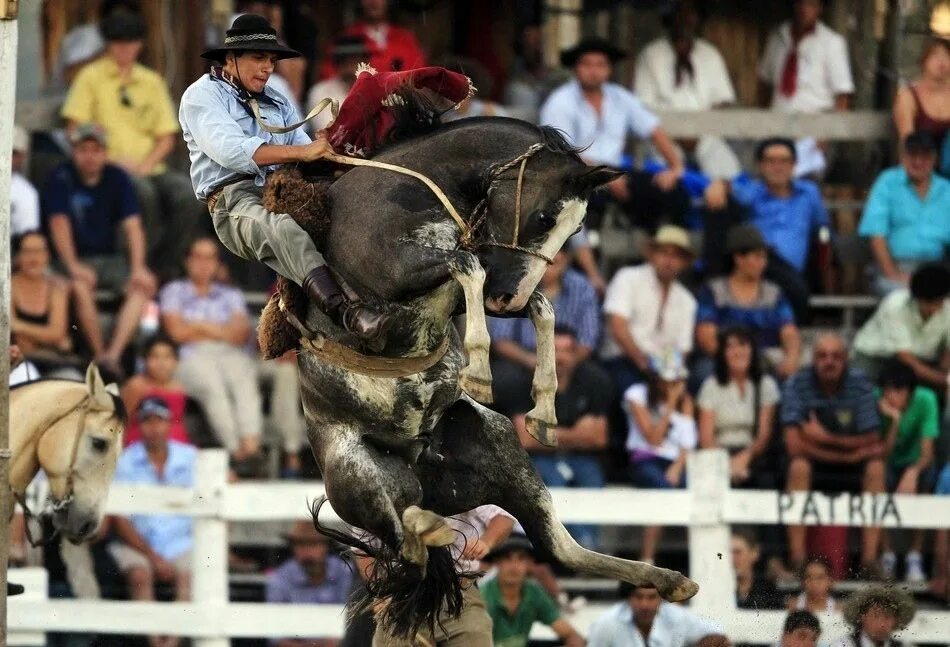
(100, 445)
(545, 221)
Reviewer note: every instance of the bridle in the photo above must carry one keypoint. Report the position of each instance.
(84, 406)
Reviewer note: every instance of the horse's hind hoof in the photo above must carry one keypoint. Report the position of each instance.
(476, 388)
(679, 588)
(541, 431)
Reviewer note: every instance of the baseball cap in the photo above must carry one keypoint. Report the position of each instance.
(88, 131)
(154, 406)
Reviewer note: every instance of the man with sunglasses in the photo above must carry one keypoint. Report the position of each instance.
(832, 433)
(130, 102)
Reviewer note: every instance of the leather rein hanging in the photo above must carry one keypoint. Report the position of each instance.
(468, 230)
(83, 406)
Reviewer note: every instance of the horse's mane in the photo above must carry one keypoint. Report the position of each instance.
(415, 113)
(118, 405)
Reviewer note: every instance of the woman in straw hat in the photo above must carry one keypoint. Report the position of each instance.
(875, 613)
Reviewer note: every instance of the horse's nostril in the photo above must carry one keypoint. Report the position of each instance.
(506, 298)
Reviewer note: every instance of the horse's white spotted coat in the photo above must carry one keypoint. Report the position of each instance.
(439, 235)
(568, 219)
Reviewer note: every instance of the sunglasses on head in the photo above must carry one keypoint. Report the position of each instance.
(124, 96)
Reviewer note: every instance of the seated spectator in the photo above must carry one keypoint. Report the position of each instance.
(24, 199)
(875, 613)
(515, 601)
(39, 310)
(685, 72)
(157, 379)
(85, 199)
(392, 48)
(661, 432)
(801, 629)
(649, 312)
(737, 405)
(907, 215)
(131, 103)
(581, 404)
(913, 326)
(531, 80)
(922, 106)
(832, 435)
(208, 320)
(286, 413)
(643, 618)
(752, 590)
(745, 298)
(313, 575)
(787, 212)
(514, 343)
(597, 117)
(911, 418)
(805, 66)
(347, 53)
(155, 548)
(817, 583)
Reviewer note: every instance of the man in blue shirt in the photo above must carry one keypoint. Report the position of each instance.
(513, 339)
(907, 215)
(85, 200)
(155, 547)
(598, 116)
(787, 211)
(231, 152)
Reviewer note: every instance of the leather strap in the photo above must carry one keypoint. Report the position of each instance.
(333, 104)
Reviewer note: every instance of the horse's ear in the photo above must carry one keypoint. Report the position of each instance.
(592, 177)
(97, 388)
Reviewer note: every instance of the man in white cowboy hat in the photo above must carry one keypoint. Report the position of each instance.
(231, 154)
(649, 312)
(875, 613)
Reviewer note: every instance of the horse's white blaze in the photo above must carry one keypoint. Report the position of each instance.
(439, 235)
(568, 219)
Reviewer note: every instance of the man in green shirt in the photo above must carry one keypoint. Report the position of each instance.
(910, 420)
(515, 602)
(914, 326)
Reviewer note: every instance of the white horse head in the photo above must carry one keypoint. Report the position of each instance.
(73, 431)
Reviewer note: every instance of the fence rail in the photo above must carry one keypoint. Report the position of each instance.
(706, 508)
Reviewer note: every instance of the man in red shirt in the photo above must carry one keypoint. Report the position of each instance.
(392, 48)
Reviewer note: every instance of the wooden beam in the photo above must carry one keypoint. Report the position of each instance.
(758, 124)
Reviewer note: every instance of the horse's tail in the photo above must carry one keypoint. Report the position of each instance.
(405, 598)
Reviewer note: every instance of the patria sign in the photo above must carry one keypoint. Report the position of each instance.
(837, 508)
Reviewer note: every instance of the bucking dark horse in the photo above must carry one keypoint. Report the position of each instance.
(398, 451)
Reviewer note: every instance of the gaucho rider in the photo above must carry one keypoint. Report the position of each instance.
(232, 151)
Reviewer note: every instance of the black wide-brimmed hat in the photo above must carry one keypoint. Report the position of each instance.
(570, 56)
(250, 32)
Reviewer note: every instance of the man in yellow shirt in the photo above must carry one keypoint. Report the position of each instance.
(131, 103)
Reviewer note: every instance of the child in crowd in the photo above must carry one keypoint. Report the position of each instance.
(661, 433)
(817, 583)
(157, 380)
(801, 629)
(910, 416)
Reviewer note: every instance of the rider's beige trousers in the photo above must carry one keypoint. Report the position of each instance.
(471, 629)
(256, 234)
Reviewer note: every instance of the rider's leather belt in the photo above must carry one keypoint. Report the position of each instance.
(215, 192)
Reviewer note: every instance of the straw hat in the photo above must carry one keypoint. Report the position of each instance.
(891, 598)
(675, 236)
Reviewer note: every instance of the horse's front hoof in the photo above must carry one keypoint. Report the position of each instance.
(679, 588)
(541, 431)
(476, 388)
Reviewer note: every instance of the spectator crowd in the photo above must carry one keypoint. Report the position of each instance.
(708, 342)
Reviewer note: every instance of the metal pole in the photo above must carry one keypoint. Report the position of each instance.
(8, 39)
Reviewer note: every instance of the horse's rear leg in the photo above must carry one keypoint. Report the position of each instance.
(475, 378)
(486, 464)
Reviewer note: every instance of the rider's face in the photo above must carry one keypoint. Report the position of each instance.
(253, 69)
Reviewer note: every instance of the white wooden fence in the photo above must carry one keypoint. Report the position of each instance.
(707, 508)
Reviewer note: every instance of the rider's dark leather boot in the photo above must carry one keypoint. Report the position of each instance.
(358, 318)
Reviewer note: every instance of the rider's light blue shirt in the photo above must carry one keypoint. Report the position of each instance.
(222, 135)
(168, 535)
(604, 134)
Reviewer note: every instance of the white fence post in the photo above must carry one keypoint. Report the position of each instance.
(710, 559)
(209, 556)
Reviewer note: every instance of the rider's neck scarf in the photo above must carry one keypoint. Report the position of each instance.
(243, 95)
(365, 119)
